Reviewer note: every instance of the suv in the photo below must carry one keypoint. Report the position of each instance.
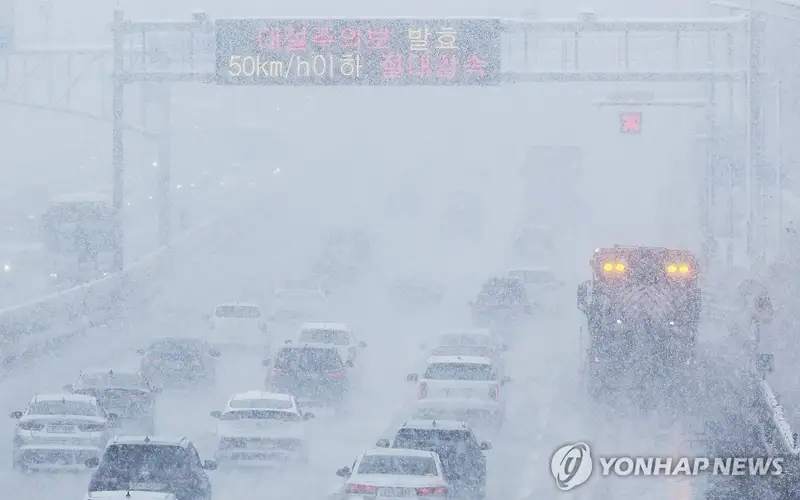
(501, 300)
(313, 373)
(171, 360)
(458, 448)
(124, 393)
(165, 465)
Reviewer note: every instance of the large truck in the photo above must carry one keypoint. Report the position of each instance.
(79, 233)
(642, 306)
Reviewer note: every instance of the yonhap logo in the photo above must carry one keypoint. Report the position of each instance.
(571, 465)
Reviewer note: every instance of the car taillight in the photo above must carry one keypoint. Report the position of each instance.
(423, 390)
(31, 426)
(440, 491)
(338, 374)
(91, 427)
(362, 489)
(494, 392)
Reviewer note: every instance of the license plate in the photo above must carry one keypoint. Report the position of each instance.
(146, 486)
(458, 394)
(397, 492)
(61, 429)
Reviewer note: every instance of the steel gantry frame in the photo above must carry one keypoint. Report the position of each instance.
(139, 54)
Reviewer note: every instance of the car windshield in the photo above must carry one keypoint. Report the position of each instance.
(309, 359)
(140, 467)
(460, 371)
(284, 416)
(111, 380)
(431, 439)
(502, 293)
(63, 407)
(483, 352)
(458, 339)
(397, 465)
(266, 404)
(176, 349)
(242, 312)
(321, 336)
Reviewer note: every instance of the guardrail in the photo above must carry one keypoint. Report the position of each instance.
(91, 303)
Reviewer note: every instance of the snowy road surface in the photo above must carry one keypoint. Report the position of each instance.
(546, 405)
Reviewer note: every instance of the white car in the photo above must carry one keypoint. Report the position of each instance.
(298, 301)
(60, 431)
(130, 495)
(469, 342)
(393, 473)
(465, 381)
(259, 427)
(337, 335)
(238, 324)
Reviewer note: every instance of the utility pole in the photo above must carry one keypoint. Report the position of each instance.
(164, 166)
(756, 141)
(118, 139)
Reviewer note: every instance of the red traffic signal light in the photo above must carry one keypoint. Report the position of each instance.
(631, 122)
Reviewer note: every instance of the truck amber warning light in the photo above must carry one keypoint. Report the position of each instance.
(678, 269)
(614, 266)
(631, 122)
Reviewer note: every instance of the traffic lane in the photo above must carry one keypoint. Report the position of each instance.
(564, 414)
(160, 318)
(335, 439)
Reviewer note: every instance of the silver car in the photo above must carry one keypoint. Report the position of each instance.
(60, 431)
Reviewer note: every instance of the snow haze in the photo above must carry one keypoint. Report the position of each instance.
(442, 180)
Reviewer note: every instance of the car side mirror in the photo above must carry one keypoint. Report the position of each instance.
(16, 415)
(412, 377)
(382, 443)
(209, 465)
(266, 362)
(362, 344)
(309, 416)
(287, 342)
(505, 380)
(214, 353)
(140, 352)
(92, 463)
(216, 414)
(765, 364)
(343, 472)
(113, 419)
(485, 446)
(264, 328)
(68, 388)
(349, 363)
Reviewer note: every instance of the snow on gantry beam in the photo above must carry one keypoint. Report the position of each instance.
(722, 24)
(624, 76)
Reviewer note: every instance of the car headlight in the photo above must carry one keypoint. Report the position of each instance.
(7, 267)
